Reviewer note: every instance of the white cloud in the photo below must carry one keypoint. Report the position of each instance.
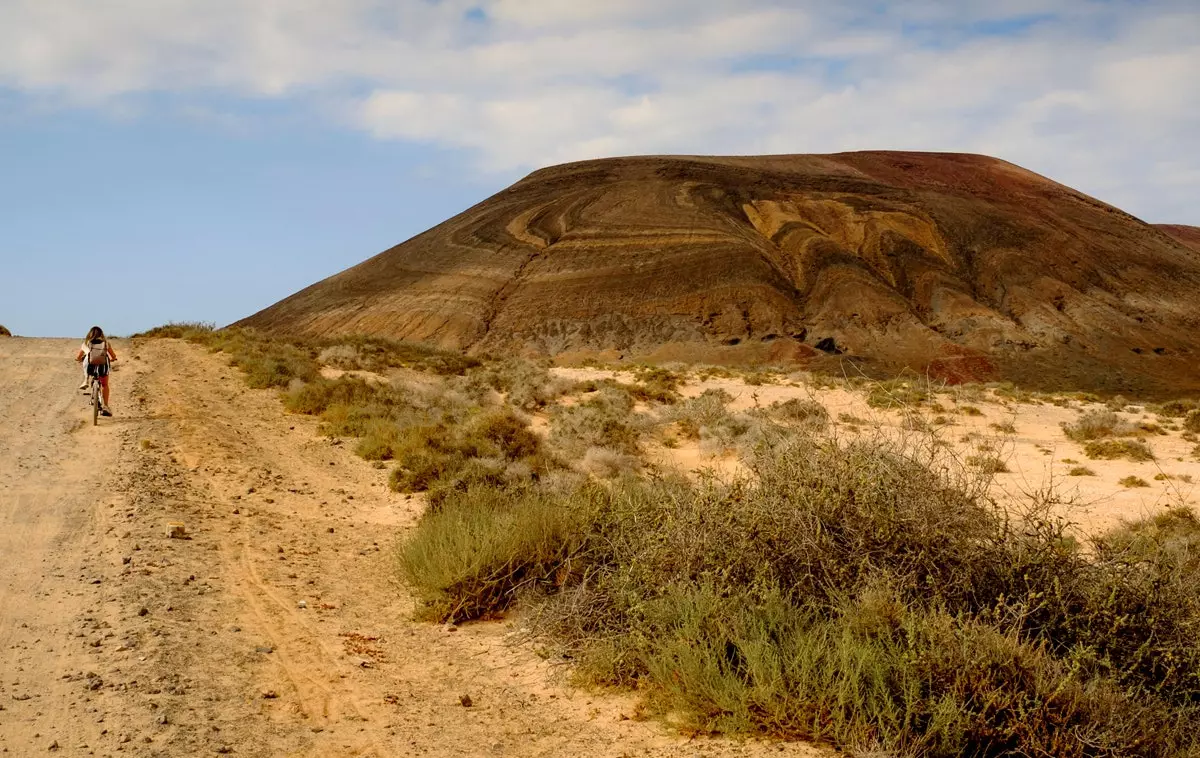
(1099, 95)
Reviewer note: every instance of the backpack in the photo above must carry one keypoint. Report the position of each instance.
(98, 353)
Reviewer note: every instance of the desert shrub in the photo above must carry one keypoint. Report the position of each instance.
(466, 560)
(1081, 471)
(4, 332)
(864, 593)
(377, 354)
(266, 360)
(896, 394)
(969, 410)
(989, 464)
(1134, 450)
(1006, 427)
(1191, 423)
(605, 419)
(657, 384)
(526, 384)
(1175, 408)
(1094, 425)
(1133, 481)
(179, 330)
(849, 418)
(508, 432)
(799, 411)
(608, 463)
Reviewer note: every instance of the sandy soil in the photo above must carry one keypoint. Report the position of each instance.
(276, 628)
(1037, 454)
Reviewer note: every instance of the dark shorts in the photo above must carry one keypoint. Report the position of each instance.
(99, 371)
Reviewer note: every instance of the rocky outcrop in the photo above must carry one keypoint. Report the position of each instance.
(961, 266)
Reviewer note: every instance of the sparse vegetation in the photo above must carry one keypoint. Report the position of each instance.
(1133, 481)
(1080, 471)
(1191, 423)
(1134, 450)
(1094, 425)
(4, 332)
(1006, 427)
(988, 464)
(896, 394)
(969, 410)
(846, 593)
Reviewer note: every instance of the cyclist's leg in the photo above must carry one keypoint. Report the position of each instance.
(104, 388)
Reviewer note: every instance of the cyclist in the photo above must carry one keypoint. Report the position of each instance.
(99, 355)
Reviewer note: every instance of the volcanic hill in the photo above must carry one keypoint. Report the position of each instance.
(960, 266)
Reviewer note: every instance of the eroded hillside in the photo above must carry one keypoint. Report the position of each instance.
(958, 266)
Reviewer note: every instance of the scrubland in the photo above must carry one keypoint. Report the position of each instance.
(894, 568)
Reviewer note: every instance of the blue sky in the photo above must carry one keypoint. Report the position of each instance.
(198, 160)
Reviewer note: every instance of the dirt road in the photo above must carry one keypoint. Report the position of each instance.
(277, 627)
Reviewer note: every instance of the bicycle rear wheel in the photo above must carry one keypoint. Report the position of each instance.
(95, 402)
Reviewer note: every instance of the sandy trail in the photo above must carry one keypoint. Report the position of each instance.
(277, 628)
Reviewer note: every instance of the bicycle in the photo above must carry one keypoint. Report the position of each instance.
(97, 398)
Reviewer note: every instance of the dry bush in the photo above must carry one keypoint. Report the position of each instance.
(1191, 423)
(1133, 481)
(1175, 408)
(607, 463)
(4, 332)
(1006, 427)
(1134, 450)
(527, 385)
(179, 330)
(988, 464)
(1081, 471)
(897, 393)
(377, 354)
(968, 410)
(799, 411)
(1094, 425)
(863, 594)
(603, 420)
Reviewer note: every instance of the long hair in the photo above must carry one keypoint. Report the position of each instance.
(95, 333)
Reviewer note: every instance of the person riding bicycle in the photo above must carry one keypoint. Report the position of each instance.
(99, 356)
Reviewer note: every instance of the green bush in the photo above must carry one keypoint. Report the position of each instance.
(862, 593)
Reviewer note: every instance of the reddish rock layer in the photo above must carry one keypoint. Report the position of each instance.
(962, 266)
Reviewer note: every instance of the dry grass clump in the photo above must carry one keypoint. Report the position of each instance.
(799, 411)
(1006, 427)
(1134, 450)
(1174, 408)
(968, 410)
(377, 354)
(1133, 481)
(1095, 425)
(1081, 471)
(1191, 422)
(988, 464)
(862, 594)
(896, 393)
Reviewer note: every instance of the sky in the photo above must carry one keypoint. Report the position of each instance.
(198, 160)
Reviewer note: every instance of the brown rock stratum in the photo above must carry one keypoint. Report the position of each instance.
(960, 266)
